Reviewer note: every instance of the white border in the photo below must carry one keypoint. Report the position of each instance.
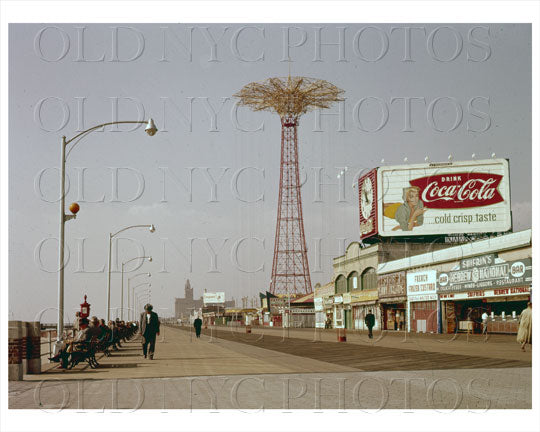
(264, 12)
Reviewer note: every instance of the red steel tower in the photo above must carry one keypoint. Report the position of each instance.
(290, 98)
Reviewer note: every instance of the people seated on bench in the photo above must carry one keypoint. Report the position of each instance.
(93, 330)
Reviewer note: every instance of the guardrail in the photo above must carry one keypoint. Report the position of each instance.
(50, 335)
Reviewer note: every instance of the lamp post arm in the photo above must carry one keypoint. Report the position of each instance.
(133, 259)
(103, 125)
(129, 227)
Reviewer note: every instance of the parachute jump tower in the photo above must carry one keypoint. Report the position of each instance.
(289, 98)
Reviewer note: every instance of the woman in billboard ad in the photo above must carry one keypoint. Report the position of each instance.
(411, 213)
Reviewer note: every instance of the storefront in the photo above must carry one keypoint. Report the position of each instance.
(328, 305)
(339, 315)
(422, 302)
(481, 284)
(323, 304)
(392, 289)
(361, 303)
(320, 315)
(277, 305)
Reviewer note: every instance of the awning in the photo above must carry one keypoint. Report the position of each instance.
(400, 299)
(304, 299)
(364, 303)
(525, 297)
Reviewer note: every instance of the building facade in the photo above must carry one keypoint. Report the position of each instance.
(449, 290)
(423, 304)
(183, 307)
(392, 290)
(355, 286)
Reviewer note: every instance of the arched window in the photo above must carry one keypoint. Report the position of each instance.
(369, 279)
(352, 281)
(341, 284)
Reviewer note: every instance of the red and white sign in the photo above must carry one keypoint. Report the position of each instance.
(443, 198)
(505, 292)
(460, 190)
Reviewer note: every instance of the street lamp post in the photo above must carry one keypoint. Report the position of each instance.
(150, 130)
(128, 292)
(122, 291)
(133, 289)
(152, 228)
(143, 295)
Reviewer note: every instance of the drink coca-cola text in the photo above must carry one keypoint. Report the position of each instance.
(461, 190)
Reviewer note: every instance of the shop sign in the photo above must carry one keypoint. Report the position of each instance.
(318, 303)
(499, 292)
(423, 282)
(346, 298)
(422, 297)
(303, 311)
(277, 304)
(328, 301)
(392, 285)
(338, 299)
(364, 296)
(487, 272)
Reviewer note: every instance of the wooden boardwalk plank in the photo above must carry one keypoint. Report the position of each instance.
(368, 357)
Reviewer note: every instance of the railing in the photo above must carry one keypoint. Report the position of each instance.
(51, 336)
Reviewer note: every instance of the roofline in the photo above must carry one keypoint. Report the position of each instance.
(496, 244)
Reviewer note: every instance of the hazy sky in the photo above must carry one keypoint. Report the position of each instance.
(468, 86)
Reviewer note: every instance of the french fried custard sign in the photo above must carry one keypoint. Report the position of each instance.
(445, 198)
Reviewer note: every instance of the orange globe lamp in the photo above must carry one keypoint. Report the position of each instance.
(74, 208)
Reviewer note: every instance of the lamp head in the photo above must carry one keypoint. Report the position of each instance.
(150, 259)
(152, 228)
(151, 128)
(74, 208)
(148, 274)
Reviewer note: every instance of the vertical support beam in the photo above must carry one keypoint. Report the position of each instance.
(15, 367)
(290, 267)
(60, 326)
(34, 348)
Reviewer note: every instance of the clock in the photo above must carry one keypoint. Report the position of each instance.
(366, 198)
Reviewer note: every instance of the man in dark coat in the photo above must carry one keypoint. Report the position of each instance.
(149, 328)
(197, 324)
(370, 322)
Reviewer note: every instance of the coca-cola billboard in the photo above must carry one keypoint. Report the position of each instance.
(443, 198)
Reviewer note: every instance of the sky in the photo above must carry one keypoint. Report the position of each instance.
(208, 180)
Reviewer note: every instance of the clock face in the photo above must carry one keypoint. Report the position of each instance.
(366, 198)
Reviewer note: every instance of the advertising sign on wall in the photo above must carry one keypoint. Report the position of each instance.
(392, 285)
(487, 272)
(444, 198)
(422, 286)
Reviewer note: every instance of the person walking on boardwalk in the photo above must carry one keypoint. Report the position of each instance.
(485, 318)
(149, 328)
(197, 324)
(370, 322)
(524, 335)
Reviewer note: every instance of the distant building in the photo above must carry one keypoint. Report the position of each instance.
(184, 306)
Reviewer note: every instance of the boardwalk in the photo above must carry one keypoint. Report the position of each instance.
(239, 370)
(373, 357)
